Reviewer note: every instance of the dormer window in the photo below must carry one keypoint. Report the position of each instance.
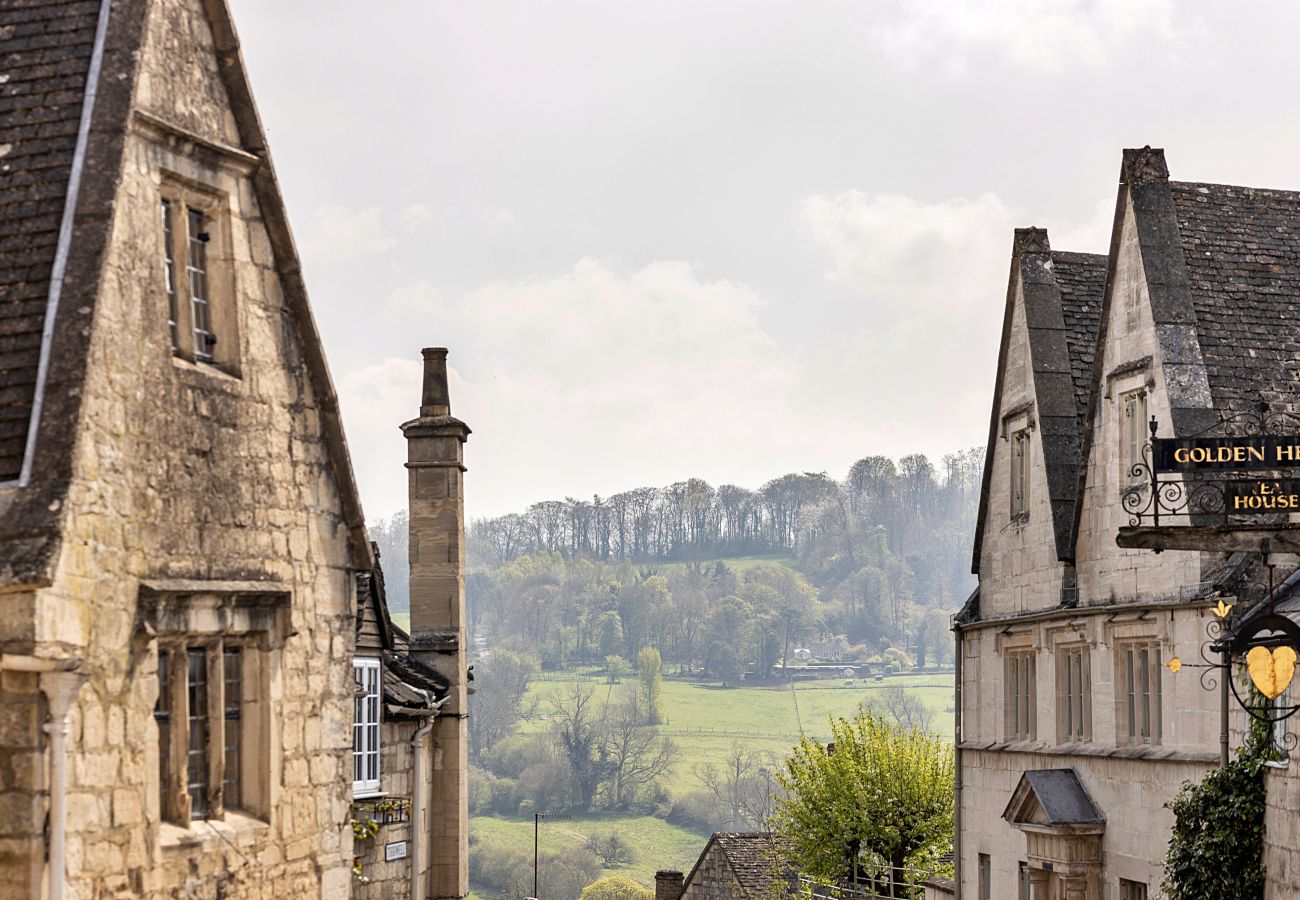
(1020, 474)
(197, 277)
(1133, 436)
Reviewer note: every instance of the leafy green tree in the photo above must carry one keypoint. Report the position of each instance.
(649, 670)
(609, 634)
(615, 887)
(723, 662)
(860, 807)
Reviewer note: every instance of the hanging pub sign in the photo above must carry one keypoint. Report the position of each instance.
(1218, 453)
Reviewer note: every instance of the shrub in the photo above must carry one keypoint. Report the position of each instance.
(612, 849)
(616, 887)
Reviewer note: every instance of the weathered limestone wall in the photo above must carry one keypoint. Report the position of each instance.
(1130, 793)
(22, 710)
(183, 472)
(1019, 571)
(1190, 713)
(1105, 572)
(1282, 833)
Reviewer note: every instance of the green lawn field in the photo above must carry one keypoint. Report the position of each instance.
(704, 720)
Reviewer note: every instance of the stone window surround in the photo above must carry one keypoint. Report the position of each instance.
(1018, 424)
(1155, 693)
(184, 198)
(255, 616)
(1018, 649)
(192, 171)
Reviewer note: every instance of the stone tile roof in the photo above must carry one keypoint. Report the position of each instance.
(756, 860)
(1081, 279)
(1241, 247)
(1060, 795)
(45, 50)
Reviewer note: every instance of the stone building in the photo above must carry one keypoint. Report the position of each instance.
(732, 866)
(1073, 732)
(181, 530)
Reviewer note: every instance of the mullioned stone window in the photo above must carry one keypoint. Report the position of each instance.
(197, 275)
(1133, 436)
(1021, 701)
(217, 646)
(1073, 694)
(1020, 459)
(1140, 696)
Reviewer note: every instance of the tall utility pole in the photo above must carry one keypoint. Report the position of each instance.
(537, 818)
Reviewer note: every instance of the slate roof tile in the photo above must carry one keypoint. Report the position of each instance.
(1081, 279)
(45, 49)
(1241, 247)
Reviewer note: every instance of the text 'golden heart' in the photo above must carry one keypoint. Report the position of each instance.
(1271, 672)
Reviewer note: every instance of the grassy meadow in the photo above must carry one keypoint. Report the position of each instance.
(704, 720)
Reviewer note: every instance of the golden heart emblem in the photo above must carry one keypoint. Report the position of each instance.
(1271, 671)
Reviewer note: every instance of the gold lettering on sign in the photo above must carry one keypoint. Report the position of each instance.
(1268, 496)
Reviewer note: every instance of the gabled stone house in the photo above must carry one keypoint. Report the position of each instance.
(733, 866)
(1073, 733)
(181, 531)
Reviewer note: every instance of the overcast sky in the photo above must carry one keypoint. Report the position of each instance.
(718, 238)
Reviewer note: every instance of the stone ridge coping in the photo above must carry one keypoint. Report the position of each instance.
(1151, 754)
(1075, 612)
(207, 835)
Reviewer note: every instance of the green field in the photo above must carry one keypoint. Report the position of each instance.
(704, 720)
(658, 844)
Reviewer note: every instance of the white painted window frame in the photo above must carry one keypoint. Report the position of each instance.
(365, 727)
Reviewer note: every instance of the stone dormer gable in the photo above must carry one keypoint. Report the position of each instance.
(74, 91)
(1061, 297)
(1221, 268)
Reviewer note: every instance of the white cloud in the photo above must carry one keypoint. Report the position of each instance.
(598, 381)
(909, 257)
(341, 233)
(1041, 34)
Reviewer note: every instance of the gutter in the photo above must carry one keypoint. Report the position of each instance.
(957, 780)
(64, 248)
(417, 793)
(61, 683)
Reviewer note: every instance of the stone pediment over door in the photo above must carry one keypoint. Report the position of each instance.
(1063, 833)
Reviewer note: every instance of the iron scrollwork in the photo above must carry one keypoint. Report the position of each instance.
(1206, 498)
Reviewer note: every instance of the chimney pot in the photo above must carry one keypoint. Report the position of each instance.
(436, 399)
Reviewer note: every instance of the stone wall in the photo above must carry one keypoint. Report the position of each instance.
(1130, 793)
(1282, 834)
(186, 472)
(396, 772)
(1105, 572)
(1190, 714)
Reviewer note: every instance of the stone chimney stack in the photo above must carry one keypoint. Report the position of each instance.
(668, 884)
(435, 473)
